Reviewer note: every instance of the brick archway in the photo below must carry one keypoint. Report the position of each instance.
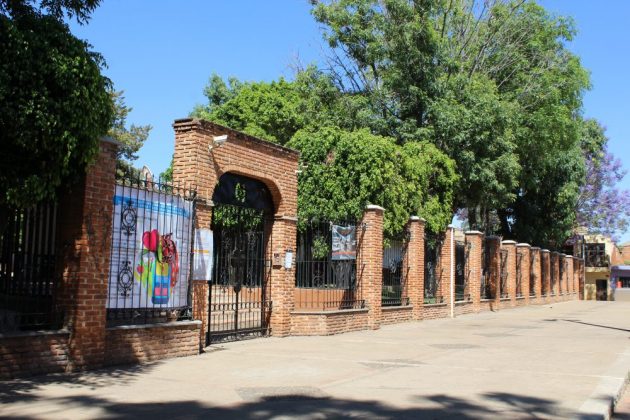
(204, 151)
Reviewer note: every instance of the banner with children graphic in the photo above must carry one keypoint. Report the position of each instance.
(151, 243)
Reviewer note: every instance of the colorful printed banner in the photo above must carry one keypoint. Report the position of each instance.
(150, 250)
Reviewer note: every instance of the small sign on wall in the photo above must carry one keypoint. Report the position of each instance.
(203, 254)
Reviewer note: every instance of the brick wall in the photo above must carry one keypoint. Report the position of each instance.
(33, 353)
(414, 259)
(523, 255)
(146, 343)
(510, 301)
(474, 242)
(84, 243)
(370, 262)
(329, 322)
(396, 314)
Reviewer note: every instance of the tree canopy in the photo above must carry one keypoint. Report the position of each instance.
(485, 90)
(54, 104)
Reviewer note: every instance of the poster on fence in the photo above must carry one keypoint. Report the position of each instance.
(344, 242)
(202, 251)
(150, 254)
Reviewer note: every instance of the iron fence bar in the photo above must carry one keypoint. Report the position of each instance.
(504, 274)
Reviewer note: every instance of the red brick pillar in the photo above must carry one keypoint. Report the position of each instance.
(414, 259)
(474, 242)
(555, 272)
(201, 287)
(282, 284)
(523, 253)
(545, 261)
(494, 259)
(370, 262)
(85, 237)
(570, 289)
(576, 277)
(535, 255)
(446, 267)
(510, 246)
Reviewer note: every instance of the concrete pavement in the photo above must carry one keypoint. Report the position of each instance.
(566, 360)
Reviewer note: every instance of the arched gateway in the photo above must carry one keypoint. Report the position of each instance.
(247, 197)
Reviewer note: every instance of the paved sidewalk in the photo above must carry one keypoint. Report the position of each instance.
(556, 361)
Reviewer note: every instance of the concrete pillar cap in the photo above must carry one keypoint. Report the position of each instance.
(473, 232)
(374, 207)
(508, 242)
(523, 244)
(544, 250)
(535, 248)
(417, 219)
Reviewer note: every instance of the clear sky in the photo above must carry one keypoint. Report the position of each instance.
(161, 53)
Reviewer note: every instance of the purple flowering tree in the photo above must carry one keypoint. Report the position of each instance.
(603, 207)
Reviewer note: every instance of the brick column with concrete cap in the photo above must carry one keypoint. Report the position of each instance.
(523, 251)
(569, 268)
(85, 237)
(282, 284)
(545, 267)
(414, 259)
(555, 273)
(494, 270)
(510, 246)
(536, 268)
(474, 266)
(370, 262)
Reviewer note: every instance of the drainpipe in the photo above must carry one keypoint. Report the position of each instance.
(452, 232)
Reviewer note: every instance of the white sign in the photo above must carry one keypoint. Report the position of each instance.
(203, 258)
(150, 250)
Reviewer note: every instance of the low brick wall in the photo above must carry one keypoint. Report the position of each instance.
(435, 311)
(521, 301)
(146, 343)
(328, 322)
(505, 303)
(487, 305)
(464, 307)
(396, 314)
(33, 353)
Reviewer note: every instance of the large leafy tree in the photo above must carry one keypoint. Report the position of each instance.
(490, 83)
(54, 102)
(343, 167)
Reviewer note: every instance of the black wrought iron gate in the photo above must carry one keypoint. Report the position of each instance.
(239, 301)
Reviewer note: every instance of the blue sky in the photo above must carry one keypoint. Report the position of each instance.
(161, 53)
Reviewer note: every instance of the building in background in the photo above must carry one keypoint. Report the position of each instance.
(601, 255)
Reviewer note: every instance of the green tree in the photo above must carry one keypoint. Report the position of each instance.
(54, 102)
(343, 171)
(131, 139)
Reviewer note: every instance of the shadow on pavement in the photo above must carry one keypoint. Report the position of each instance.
(499, 405)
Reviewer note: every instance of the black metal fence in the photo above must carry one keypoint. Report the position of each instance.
(432, 278)
(326, 269)
(27, 269)
(486, 270)
(519, 273)
(461, 272)
(503, 274)
(394, 291)
(239, 296)
(151, 255)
